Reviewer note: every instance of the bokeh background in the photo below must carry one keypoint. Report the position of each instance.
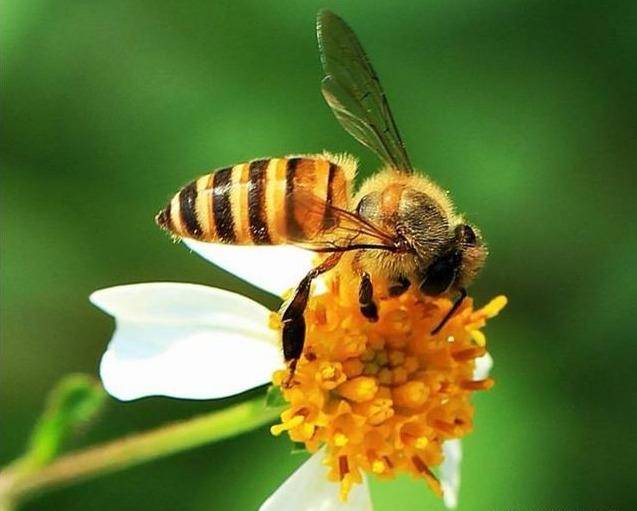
(524, 109)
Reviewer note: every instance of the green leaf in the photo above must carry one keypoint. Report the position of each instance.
(274, 398)
(74, 401)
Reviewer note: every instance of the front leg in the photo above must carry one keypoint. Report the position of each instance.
(293, 321)
(454, 308)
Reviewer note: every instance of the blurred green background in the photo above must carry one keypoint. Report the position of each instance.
(526, 110)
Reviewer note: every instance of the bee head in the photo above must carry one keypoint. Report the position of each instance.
(458, 263)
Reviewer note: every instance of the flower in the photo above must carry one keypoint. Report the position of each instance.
(384, 396)
(366, 398)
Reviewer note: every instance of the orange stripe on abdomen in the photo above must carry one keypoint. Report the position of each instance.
(239, 201)
(307, 193)
(275, 200)
(203, 208)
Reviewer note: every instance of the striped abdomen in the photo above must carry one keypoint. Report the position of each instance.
(262, 202)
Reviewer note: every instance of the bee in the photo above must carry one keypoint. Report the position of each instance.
(399, 228)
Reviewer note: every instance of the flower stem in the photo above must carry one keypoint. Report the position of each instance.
(18, 482)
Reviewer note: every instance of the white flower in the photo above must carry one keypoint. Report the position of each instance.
(197, 342)
(308, 489)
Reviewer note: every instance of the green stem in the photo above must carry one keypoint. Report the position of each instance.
(16, 483)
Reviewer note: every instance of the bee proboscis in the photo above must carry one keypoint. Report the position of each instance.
(399, 227)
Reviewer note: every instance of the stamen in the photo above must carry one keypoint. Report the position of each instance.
(443, 426)
(353, 367)
(485, 384)
(420, 465)
(277, 429)
(359, 389)
(385, 376)
(399, 375)
(468, 354)
(377, 411)
(343, 466)
(379, 466)
(493, 308)
(321, 316)
(381, 358)
(411, 394)
(410, 364)
(340, 440)
(384, 396)
(371, 368)
(431, 478)
(327, 372)
(478, 337)
(396, 358)
(421, 442)
(368, 355)
(329, 375)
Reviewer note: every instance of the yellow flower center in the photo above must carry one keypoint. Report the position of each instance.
(383, 397)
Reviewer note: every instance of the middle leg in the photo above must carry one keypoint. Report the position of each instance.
(368, 307)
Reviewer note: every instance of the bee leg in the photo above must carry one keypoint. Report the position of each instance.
(399, 286)
(454, 308)
(366, 298)
(293, 334)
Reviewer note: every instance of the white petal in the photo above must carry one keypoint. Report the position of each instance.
(452, 449)
(185, 341)
(483, 366)
(308, 489)
(273, 268)
(450, 472)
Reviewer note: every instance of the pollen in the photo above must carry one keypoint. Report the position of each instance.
(382, 397)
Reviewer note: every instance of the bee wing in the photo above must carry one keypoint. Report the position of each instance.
(353, 91)
(335, 229)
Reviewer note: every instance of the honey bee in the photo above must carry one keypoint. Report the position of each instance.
(399, 228)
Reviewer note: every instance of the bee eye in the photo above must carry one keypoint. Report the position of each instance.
(367, 206)
(466, 234)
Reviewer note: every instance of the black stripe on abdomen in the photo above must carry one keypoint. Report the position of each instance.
(256, 202)
(329, 218)
(222, 208)
(187, 198)
(294, 230)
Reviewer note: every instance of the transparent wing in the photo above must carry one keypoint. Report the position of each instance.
(354, 93)
(340, 230)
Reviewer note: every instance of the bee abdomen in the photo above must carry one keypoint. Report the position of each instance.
(263, 202)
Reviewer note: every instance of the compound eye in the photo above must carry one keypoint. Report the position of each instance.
(368, 206)
(466, 234)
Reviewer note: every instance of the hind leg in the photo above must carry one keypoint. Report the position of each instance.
(292, 318)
